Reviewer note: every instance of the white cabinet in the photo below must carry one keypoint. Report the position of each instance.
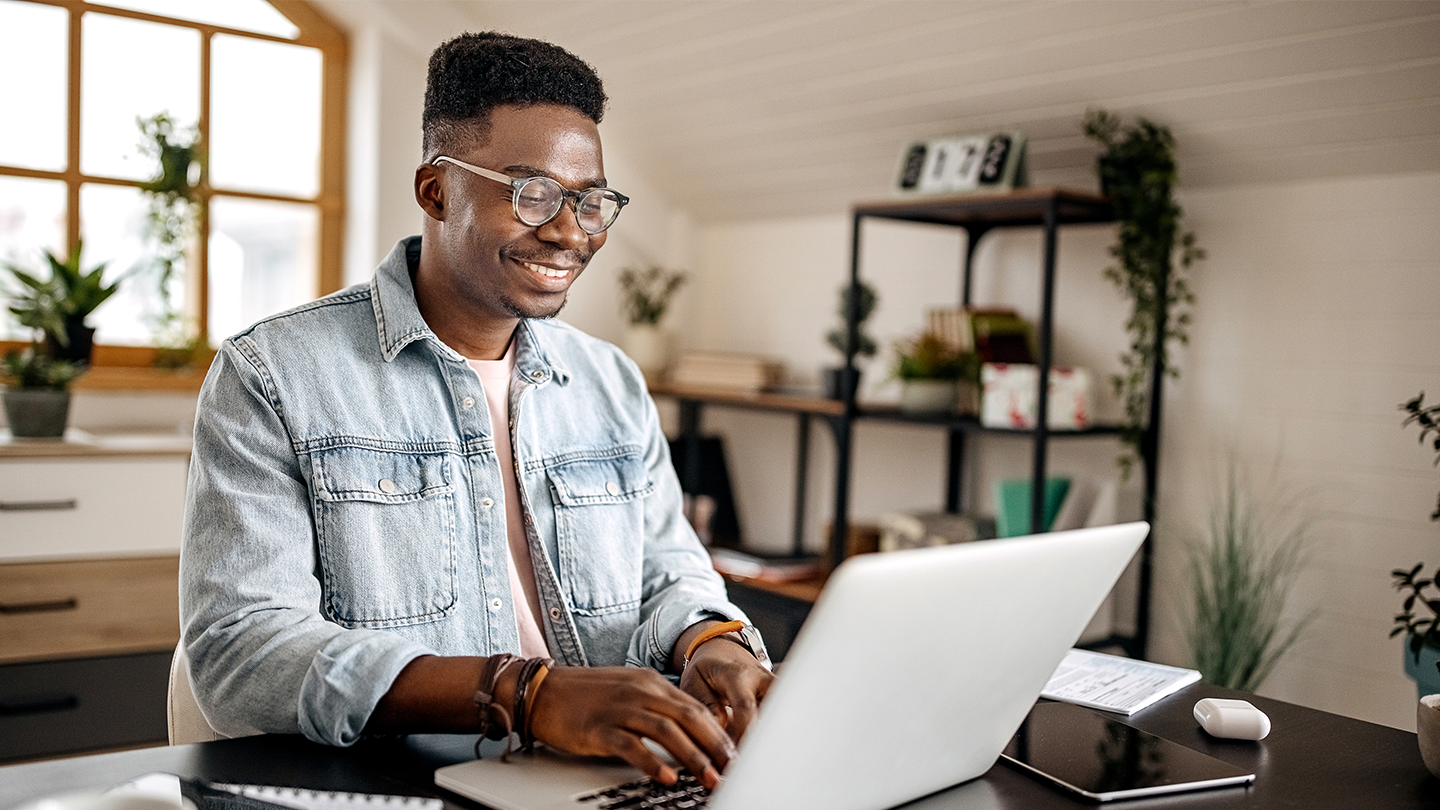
(89, 507)
(89, 592)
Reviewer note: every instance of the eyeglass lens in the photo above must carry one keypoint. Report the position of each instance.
(539, 199)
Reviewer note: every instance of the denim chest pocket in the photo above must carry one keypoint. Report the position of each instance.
(385, 522)
(600, 528)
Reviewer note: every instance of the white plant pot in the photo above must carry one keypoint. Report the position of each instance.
(1427, 731)
(650, 347)
(928, 396)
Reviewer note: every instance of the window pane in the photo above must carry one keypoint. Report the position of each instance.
(34, 45)
(113, 220)
(264, 258)
(246, 15)
(265, 116)
(32, 219)
(133, 69)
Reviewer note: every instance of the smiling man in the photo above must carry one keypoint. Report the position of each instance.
(421, 504)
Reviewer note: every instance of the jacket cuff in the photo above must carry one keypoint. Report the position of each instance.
(345, 682)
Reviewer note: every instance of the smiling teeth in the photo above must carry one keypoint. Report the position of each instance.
(548, 271)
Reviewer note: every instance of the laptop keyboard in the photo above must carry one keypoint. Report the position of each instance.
(645, 794)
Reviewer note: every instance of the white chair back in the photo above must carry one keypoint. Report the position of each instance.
(182, 713)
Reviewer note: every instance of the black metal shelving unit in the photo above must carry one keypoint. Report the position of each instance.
(1046, 208)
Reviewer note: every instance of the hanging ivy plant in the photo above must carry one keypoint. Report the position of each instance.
(174, 199)
(1152, 251)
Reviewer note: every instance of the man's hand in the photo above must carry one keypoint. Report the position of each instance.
(605, 711)
(729, 681)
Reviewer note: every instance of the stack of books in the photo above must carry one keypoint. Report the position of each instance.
(735, 372)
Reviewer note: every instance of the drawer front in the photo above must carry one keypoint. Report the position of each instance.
(91, 507)
(59, 707)
(88, 607)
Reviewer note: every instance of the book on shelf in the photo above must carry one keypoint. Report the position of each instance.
(736, 372)
(1012, 505)
(732, 562)
(1114, 684)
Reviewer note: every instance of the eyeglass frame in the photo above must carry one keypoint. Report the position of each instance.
(566, 195)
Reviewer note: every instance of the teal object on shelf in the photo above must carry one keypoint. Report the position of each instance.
(1012, 513)
(1422, 672)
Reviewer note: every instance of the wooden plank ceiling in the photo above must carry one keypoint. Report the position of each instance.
(744, 109)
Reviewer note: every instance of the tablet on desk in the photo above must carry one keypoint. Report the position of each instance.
(1101, 759)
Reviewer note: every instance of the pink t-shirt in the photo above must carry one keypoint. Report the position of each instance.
(495, 381)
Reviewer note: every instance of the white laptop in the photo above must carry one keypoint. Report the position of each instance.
(912, 672)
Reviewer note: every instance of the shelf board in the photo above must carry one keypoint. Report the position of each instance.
(970, 424)
(805, 590)
(1025, 206)
(759, 400)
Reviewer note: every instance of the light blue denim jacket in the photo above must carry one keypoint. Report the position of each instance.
(345, 511)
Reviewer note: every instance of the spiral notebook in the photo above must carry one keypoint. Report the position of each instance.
(306, 799)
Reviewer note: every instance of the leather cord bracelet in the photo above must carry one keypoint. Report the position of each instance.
(709, 633)
(528, 675)
(485, 699)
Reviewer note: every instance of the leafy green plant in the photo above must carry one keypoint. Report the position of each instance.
(1240, 578)
(865, 302)
(59, 305)
(928, 357)
(1429, 421)
(1420, 630)
(1138, 174)
(34, 369)
(174, 197)
(648, 292)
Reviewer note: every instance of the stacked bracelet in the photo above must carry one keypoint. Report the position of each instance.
(529, 678)
(513, 721)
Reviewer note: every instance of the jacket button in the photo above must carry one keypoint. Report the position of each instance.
(387, 486)
(487, 502)
(496, 604)
(555, 613)
(612, 488)
(467, 403)
(537, 374)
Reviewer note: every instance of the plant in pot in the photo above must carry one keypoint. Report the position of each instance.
(931, 372)
(37, 393)
(1419, 618)
(1238, 625)
(174, 198)
(647, 296)
(60, 306)
(839, 385)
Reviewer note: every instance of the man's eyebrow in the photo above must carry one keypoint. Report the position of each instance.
(522, 170)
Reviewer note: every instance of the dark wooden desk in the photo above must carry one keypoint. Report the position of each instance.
(1311, 760)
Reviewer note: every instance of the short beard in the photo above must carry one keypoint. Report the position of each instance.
(514, 310)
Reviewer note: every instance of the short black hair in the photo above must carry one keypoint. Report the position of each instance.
(473, 73)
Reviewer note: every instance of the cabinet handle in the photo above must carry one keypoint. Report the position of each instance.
(39, 506)
(39, 706)
(53, 606)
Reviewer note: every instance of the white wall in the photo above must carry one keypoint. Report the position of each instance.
(1318, 313)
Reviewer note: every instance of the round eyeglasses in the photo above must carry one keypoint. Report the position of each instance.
(538, 199)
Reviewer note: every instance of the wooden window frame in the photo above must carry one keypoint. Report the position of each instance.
(133, 367)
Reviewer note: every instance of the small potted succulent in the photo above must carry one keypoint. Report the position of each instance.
(837, 386)
(60, 306)
(37, 393)
(932, 372)
(647, 296)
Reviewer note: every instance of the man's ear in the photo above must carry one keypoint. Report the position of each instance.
(430, 192)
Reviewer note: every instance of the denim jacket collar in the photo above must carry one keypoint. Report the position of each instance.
(398, 321)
